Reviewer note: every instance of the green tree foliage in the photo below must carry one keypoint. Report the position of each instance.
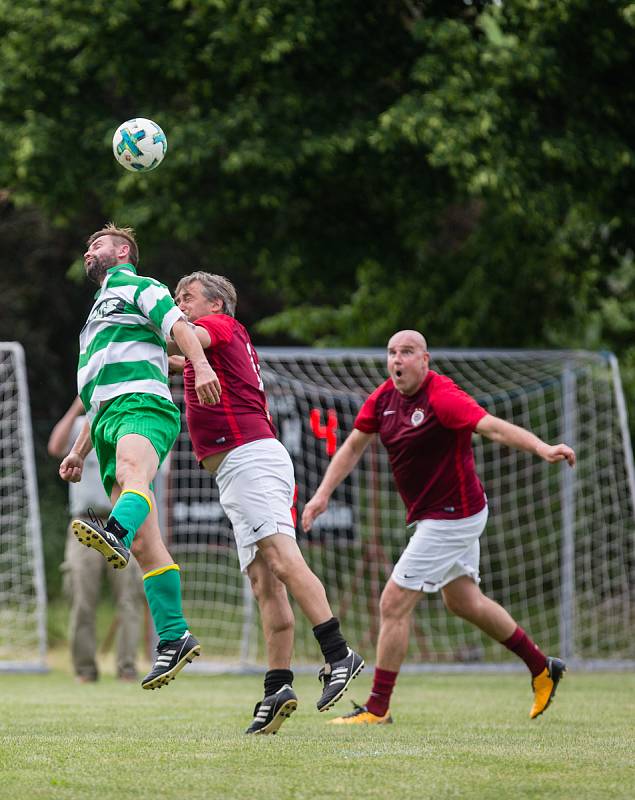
(461, 167)
(465, 168)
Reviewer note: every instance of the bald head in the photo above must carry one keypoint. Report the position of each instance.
(408, 361)
(413, 338)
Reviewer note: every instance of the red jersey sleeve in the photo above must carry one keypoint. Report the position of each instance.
(453, 407)
(219, 326)
(366, 420)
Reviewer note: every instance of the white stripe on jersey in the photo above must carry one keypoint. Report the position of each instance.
(116, 352)
(97, 326)
(169, 319)
(150, 296)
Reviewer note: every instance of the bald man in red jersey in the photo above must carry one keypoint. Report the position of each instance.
(426, 423)
(236, 442)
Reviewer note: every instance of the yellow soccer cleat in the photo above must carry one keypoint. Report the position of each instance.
(545, 685)
(360, 715)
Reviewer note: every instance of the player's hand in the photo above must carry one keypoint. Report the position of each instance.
(71, 468)
(176, 365)
(557, 452)
(206, 384)
(317, 505)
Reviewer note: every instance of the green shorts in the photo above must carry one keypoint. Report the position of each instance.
(149, 415)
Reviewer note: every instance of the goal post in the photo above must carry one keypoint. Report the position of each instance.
(558, 551)
(22, 584)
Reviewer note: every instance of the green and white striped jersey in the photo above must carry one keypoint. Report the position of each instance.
(122, 346)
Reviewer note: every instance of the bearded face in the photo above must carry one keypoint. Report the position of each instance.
(100, 256)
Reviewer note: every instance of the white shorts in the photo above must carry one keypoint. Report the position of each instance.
(256, 486)
(439, 551)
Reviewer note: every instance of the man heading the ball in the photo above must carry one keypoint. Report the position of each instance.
(426, 423)
(236, 442)
(132, 423)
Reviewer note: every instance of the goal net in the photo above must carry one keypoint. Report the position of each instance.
(558, 551)
(22, 592)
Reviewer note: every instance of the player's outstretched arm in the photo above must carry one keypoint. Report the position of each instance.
(205, 340)
(498, 430)
(341, 466)
(72, 466)
(206, 384)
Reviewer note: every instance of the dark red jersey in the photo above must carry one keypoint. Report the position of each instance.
(241, 416)
(428, 437)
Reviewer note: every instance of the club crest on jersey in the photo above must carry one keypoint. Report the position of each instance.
(417, 417)
(115, 305)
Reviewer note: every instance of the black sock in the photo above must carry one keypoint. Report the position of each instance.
(114, 527)
(331, 641)
(276, 678)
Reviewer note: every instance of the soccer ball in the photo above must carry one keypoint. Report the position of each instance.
(139, 145)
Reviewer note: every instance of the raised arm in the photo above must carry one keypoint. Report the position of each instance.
(343, 463)
(498, 430)
(206, 382)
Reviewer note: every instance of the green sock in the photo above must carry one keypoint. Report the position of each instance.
(130, 511)
(163, 592)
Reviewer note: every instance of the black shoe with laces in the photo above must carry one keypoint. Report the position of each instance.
(104, 538)
(171, 658)
(337, 677)
(271, 712)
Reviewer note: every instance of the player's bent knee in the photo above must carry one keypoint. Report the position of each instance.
(282, 559)
(132, 471)
(265, 585)
(395, 602)
(126, 470)
(466, 608)
(279, 567)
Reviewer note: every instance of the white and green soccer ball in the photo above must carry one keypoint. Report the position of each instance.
(139, 145)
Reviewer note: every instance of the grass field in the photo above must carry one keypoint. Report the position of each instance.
(458, 736)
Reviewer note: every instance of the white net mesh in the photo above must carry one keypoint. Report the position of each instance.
(22, 596)
(558, 551)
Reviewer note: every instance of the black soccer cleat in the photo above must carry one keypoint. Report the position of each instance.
(103, 538)
(171, 658)
(337, 677)
(271, 712)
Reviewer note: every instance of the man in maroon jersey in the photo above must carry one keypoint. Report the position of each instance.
(236, 442)
(426, 423)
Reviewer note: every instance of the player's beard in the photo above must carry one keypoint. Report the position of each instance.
(98, 266)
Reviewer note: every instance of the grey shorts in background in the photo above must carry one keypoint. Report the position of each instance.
(256, 486)
(439, 551)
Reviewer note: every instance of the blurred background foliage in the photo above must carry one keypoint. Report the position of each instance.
(465, 168)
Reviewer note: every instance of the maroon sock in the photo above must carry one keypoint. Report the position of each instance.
(383, 684)
(524, 648)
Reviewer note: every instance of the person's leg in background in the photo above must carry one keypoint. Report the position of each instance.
(127, 589)
(85, 569)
